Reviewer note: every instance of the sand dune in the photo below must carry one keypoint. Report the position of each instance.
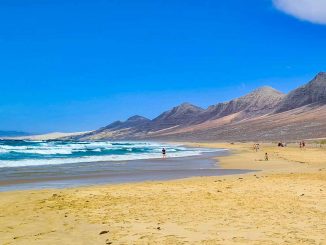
(50, 136)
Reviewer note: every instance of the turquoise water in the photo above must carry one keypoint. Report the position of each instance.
(22, 153)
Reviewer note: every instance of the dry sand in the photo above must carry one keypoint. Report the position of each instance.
(285, 203)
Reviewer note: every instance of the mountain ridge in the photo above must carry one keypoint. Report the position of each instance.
(312, 92)
(259, 99)
(261, 105)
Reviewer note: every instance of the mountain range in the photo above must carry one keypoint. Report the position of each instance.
(264, 114)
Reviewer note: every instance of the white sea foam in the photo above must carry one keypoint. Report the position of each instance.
(113, 158)
(47, 151)
(3, 151)
(9, 147)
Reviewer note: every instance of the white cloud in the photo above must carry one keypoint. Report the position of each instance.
(310, 10)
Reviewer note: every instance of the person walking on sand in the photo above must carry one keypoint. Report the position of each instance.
(266, 156)
(164, 153)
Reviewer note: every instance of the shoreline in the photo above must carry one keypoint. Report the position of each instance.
(142, 170)
(289, 192)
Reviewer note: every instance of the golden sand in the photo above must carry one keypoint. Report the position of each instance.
(285, 203)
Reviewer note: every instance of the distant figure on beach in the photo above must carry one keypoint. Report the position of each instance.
(256, 147)
(302, 144)
(164, 153)
(266, 156)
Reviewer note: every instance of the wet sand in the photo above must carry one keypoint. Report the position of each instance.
(284, 203)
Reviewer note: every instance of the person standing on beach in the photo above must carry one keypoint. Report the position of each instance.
(266, 156)
(164, 153)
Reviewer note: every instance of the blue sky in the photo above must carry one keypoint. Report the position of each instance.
(78, 65)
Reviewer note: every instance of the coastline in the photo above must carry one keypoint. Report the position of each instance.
(102, 173)
(284, 202)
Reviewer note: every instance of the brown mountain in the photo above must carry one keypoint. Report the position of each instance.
(264, 114)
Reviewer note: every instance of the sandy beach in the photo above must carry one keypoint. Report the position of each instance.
(283, 203)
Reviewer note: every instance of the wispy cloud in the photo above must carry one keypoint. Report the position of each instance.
(309, 10)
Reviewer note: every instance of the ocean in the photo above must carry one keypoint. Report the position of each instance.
(19, 153)
(60, 164)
